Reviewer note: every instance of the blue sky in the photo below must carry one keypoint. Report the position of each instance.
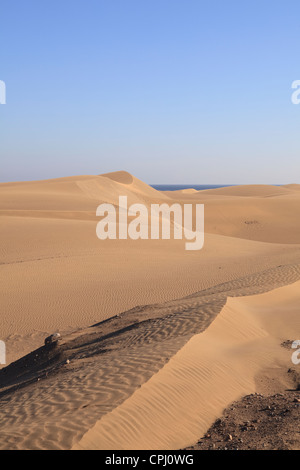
(171, 91)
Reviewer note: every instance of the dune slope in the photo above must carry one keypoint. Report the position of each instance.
(180, 402)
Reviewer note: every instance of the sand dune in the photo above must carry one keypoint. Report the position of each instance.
(51, 260)
(184, 191)
(50, 404)
(261, 213)
(293, 187)
(55, 275)
(75, 193)
(253, 190)
(178, 404)
(122, 177)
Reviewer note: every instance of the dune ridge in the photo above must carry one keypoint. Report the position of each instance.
(178, 404)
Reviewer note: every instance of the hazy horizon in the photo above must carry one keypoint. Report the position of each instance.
(173, 92)
(151, 183)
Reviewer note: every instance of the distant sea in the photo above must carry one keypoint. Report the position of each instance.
(178, 187)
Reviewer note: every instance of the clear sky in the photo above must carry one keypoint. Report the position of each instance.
(173, 91)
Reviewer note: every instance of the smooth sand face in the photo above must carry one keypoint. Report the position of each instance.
(178, 404)
(55, 275)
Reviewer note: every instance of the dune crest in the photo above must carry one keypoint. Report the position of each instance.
(251, 190)
(122, 177)
(293, 187)
(178, 404)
